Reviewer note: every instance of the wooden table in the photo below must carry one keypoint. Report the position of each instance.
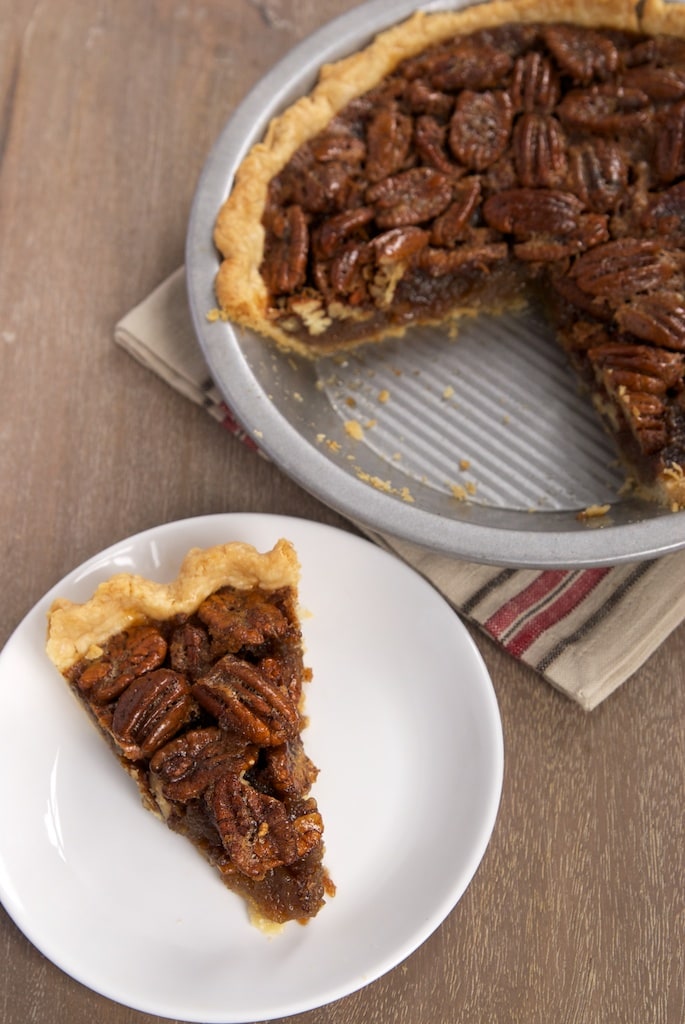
(107, 113)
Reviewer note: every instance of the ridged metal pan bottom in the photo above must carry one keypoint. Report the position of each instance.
(494, 417)
(482, 448)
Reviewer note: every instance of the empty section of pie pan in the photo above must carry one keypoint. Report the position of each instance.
(481, 448)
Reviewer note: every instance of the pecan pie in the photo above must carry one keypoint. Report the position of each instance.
(475, 160)
(198, 687)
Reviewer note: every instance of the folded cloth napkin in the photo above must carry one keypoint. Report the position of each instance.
(584, 631)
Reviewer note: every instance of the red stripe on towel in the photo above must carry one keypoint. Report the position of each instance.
(542, 585)
(570, 598)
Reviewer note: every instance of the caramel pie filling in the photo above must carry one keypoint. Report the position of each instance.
(523, 161)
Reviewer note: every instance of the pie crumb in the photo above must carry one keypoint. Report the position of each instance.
(375, 481)
(354, 430)
(385, 485)
(593, 512)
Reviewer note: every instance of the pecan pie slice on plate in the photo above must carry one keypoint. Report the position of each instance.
(477, 160)
(198, 687)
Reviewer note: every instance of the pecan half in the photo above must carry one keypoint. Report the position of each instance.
(539, 144)
(590, 231)
(286, 770)
(451, 225)
(151, 711)
(246, 701)
(529, 212)
(308, 828)
(388, 140)
(638, 377)
(285, 261)
(534, 84)
(658, 318)
(599, 174)
(439, 262)
(669, 154)
(581, 53)
(412, 197)
(344, 275)
(286, 670)
(657, 83)
(621, 268)
(423, 99)
(184, 768)
(583, 334)
(127, 655)
(316, 186)
(665, 213)
(399, 244)
(605, 110)
(480, 127)
(339, 146)
(430, 144)
(639, 368)
(237, 618)
(330, 235)
(659, 50)
(647, 416)
(257, 831)
(189, 650)
(470, 65)
(568, 291)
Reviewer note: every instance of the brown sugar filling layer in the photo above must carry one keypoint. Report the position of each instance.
(204, 711)
(522, 160)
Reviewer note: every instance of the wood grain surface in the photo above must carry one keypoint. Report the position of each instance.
(108, 109)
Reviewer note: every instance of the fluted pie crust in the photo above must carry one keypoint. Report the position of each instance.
(635, 375)
(198, 687)
(239, 233)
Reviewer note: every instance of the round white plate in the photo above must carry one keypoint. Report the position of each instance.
(404, 728)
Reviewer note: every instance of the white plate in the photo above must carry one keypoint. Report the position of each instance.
(404, 727)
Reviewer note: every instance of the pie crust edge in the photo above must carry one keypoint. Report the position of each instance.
(77, 631)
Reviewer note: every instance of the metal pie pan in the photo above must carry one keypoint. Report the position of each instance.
(482, 447)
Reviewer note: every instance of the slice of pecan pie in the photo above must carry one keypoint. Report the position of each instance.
(198, 687)
(471, 160)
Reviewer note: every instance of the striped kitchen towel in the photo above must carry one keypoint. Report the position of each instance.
(584, 631)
